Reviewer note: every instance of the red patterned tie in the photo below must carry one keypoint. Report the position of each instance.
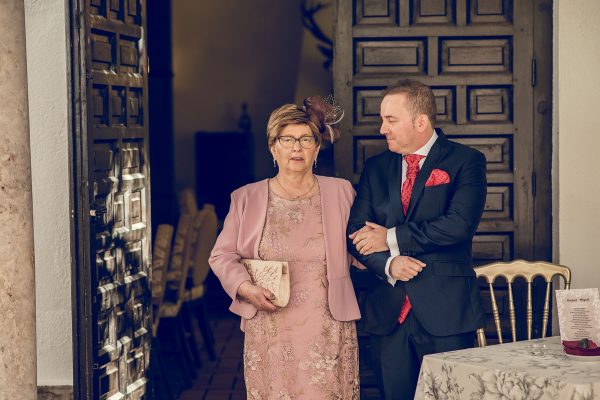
(412, 161)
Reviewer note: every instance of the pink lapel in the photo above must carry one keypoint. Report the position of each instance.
(326, 197)
(260, 212)
(252, 221)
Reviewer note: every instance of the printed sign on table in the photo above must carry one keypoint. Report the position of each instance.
(579, 314)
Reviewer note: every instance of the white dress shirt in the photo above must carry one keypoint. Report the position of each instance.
(392, 241)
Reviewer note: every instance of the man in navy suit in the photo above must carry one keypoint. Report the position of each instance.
(412, 224)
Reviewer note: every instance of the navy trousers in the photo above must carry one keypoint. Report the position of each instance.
(397, 357)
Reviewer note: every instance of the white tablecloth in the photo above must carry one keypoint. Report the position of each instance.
(508, 371)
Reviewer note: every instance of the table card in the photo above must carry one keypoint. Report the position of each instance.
(579, 314)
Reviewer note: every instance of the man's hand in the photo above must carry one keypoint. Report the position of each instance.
(370, 239)
(258, 296)
(404, 268)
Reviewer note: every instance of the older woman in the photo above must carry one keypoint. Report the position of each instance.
(308, 349)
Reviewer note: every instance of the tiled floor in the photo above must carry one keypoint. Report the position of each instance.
(223, 379)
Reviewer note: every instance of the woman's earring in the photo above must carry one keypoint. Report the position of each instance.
(315, 163)
(274, 163)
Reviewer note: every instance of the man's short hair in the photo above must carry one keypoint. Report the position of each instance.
(419, 97)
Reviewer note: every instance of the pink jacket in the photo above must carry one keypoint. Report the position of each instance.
(243, 229)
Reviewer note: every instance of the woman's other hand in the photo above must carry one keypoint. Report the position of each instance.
(369, 239)
(258, 296)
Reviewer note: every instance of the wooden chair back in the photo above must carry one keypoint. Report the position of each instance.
(182, 260)
(181, 248)
(160, 262)
(207, 236)
(527, 270)
(187, 202)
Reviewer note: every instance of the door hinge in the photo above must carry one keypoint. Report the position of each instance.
(533, 72)
(533, 183)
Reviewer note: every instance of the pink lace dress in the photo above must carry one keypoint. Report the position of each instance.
(300, 351)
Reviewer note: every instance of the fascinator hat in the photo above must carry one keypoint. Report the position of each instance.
(325, 114)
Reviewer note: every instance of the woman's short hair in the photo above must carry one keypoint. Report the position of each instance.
(419, 98)
(289, 114)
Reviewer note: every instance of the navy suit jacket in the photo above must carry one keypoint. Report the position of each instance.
(438, 229)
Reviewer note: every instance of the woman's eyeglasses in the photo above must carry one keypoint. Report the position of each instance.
(306, 142)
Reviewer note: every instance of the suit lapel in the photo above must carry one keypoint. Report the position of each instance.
(437, 152)
(394, 172)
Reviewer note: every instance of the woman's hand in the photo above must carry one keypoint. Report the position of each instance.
(370, 239)
(258, 296)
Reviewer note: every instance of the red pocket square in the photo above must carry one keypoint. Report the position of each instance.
(437, 177)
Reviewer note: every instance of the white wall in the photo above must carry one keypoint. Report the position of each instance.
(577, 139)
(46, 32)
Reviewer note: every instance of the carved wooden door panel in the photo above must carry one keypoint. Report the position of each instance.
(113, 202)
(478, 56)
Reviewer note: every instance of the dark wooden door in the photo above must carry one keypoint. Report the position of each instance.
(484, 60)
(112, 199)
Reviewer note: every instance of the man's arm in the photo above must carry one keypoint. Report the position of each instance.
(362, 210)
(461, 218)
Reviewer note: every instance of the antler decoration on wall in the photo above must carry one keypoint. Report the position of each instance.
(308, 9)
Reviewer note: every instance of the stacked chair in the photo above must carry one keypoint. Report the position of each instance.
(160, 263)
(179, 311)
(194, 297)
(171, 319)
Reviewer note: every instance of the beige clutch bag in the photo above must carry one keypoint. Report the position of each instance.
(272, 275)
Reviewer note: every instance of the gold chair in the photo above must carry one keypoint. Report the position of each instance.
(187, 202)
(171, 323)
(207, 235)
(528, 271)
(183, 250)
(160, 263)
